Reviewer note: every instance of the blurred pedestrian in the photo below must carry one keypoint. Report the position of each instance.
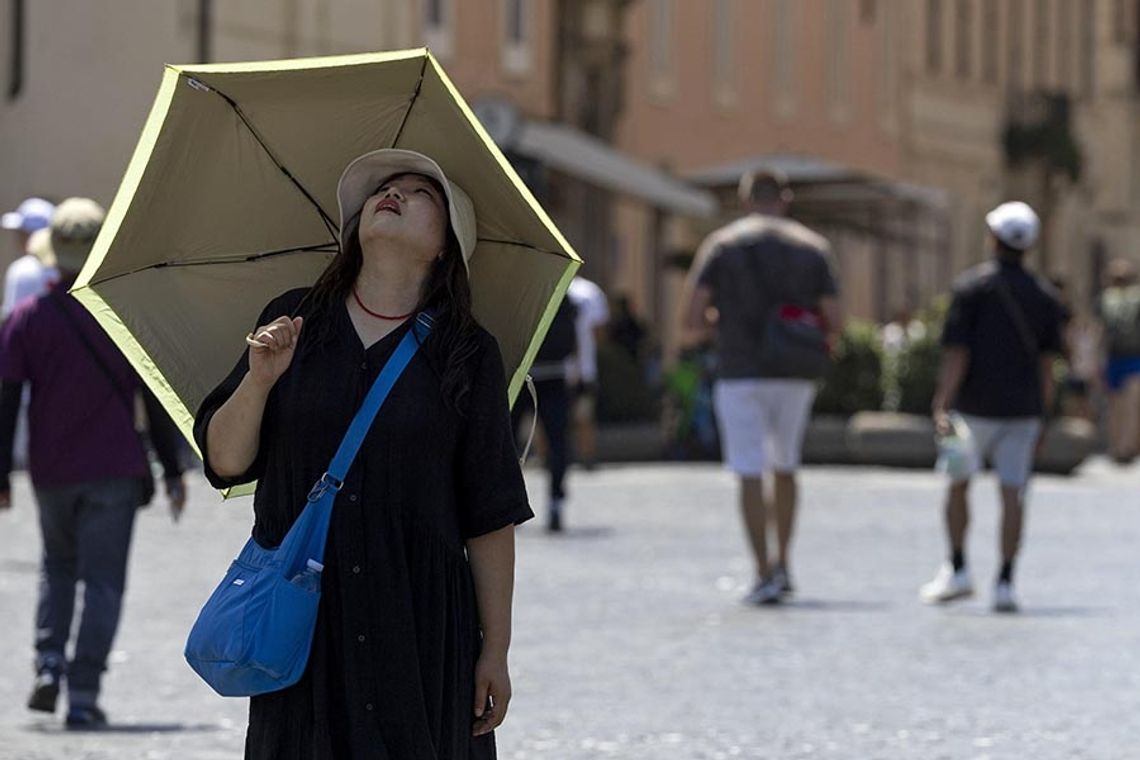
(1119, 312)
(747, 279)
(88, 466)
(995, 386)
(627, 330)
(34, 270)
(31, 215)
(552, 392)
(592, 314)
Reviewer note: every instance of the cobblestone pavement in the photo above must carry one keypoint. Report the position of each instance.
(631, 641)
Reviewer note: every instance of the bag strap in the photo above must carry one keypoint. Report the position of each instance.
(354, 438)
(94, 354)
(1028, 341)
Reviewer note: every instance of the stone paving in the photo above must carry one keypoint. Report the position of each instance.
(631, 642)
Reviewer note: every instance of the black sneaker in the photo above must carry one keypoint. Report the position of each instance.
(86, 718)
(45, 692)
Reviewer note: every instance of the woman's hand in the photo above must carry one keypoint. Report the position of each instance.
(271, 349)
(492, 692)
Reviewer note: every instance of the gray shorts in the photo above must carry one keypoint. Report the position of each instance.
(1007, 443)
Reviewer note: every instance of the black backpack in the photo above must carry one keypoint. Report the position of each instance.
(561, 339)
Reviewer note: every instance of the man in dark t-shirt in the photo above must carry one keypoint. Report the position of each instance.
(994, 389)
(744, 274)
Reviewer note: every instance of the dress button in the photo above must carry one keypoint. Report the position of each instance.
(356, 569)
(368, 707)
(364, 365)
(360, 638)
(352, 498)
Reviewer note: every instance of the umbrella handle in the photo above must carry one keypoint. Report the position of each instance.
(533, 419)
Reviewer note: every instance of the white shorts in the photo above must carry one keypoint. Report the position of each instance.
(762, 423)
(1007, 443)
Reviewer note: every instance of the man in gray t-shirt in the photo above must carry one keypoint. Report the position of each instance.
(744, 275)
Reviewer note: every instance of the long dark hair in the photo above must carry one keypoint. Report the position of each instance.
(446, 292)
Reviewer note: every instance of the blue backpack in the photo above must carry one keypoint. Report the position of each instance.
(254, 633)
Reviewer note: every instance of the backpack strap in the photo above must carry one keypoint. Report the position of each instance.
(1028, 340)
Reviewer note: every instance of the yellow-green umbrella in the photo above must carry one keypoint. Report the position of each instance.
(230, 200)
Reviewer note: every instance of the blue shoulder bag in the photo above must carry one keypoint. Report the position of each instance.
(254, 633)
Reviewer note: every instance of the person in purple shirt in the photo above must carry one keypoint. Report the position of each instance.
(88, 466)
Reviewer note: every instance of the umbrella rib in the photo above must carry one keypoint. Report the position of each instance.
(328, 222)
(415, 97)
(239, 259)
(518, 244)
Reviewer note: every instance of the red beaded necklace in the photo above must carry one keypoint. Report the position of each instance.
(377, 314)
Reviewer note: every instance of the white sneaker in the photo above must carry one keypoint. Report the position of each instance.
(947, 586)
(1004, 600)
(764, 592)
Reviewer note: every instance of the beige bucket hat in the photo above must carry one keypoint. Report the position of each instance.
(365, 173)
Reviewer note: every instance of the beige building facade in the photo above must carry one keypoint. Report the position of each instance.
(916, 96)
(890, 115)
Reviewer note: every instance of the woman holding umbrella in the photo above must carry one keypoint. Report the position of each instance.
(409, 658)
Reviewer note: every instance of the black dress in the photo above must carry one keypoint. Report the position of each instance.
(391, 673)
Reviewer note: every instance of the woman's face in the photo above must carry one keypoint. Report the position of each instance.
(408, 210)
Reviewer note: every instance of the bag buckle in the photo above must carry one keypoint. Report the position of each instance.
(323, 485)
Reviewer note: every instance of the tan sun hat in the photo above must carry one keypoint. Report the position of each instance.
(74, 227)
(365, 173)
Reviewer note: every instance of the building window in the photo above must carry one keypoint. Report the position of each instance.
(990, 32)
(516, 36)
(16, 51)
(1088, 49)
(867, 11)
(1041, 43)
(934, 36)
(963, 40)
(839, 61)
(1064, 24)
(661, 46)
(438, 26)
(1121, 29)
(1015, 31)
(724, 53)
(783, 50)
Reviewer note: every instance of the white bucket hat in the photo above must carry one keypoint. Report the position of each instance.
(1015, 224)
(365, 173)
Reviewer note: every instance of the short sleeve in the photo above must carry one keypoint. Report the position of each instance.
(218, 397)
(958, 330)
(827, 284)
(13, 342)
(705, 265)
(491, 491)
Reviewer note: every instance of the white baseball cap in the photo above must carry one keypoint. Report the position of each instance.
(365, 173)
(31, 215)
(1015, 224)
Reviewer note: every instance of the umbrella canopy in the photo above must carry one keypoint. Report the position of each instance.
(230, 200)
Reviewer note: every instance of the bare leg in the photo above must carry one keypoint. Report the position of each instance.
(957, 515)
(752, 508)
(786, 493)
(1012, 520)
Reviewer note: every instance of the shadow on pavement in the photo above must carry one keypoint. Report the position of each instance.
(586, 532)
(25, 566)
(825, 605)
(126, 728)
(1037, 612)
